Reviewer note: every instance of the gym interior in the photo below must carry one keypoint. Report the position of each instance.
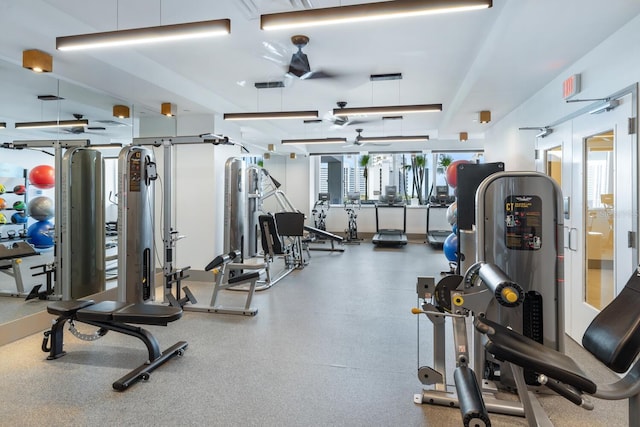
(471, 263)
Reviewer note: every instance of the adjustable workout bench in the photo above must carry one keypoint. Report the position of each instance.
(613, 337)
(115, 316)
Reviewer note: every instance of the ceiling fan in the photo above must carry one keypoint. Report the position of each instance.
(299, 65)
(358, 141)
(76, 130)
(339, 122)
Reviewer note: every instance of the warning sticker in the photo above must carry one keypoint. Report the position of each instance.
(523, 222)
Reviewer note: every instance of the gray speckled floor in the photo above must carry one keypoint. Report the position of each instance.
(332, 345)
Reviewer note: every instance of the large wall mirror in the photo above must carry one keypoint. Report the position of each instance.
(29, 97)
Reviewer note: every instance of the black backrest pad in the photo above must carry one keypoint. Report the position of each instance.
(508, 345)
(67, 308)
(614, 335)
(290, 223)
(268, 221)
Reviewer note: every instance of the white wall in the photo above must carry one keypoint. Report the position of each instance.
(610, 67)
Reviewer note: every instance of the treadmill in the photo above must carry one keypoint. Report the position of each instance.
(390, 237)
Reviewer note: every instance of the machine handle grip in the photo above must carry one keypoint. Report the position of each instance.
(507, 292)
(570, 393)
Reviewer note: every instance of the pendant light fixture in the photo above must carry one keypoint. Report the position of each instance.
(272, 115)
(136, 36)
(52, 124)
(367, 12)
(393, 109)
(315, 141)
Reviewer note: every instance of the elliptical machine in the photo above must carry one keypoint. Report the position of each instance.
(350, 205)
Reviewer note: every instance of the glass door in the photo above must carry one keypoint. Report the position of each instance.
(600, 249)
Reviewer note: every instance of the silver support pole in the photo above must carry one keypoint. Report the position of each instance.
(167, 237)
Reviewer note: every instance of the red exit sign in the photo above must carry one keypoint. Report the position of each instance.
(571, 86)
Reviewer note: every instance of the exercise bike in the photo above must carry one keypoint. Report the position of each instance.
(319, 212)
(350, 205)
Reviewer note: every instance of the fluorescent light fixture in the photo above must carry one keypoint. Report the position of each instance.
(395, 109)
(399, 138)
(273, 115)
(367, 12)
(162, 33)
(315, 141)
(52, 124)
(37, 61)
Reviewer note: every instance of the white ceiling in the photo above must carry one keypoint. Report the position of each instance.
(492, 59)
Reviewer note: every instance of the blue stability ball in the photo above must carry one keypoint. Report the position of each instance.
(40, 234)
(450, 247)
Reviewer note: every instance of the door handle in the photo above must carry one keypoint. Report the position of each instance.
(571, 243)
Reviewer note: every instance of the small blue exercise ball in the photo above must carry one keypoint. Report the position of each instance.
(450, 247)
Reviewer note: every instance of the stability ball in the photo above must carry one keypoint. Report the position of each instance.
(450, 247)
(41, 208)
(2, 189)
(452, 213)
(3, 219)
(452, 172)
(19, 218)
(3, 203)
(19, 189)
(43, 177)
(41, 234)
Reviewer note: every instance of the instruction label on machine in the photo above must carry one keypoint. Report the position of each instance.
(523, 222)
(135, 172)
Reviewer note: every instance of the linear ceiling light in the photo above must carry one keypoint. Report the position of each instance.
(274, 115)
(315, 141)
(394, 109)
(52, 124)
(367, 12)
(399, 138)
(162, 33)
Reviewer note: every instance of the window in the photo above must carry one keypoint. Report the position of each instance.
(411, 173)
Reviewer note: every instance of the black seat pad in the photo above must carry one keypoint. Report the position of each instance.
(613, 337)
(100, 312)
(67, 308)
(513, 347)
(147, 314)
